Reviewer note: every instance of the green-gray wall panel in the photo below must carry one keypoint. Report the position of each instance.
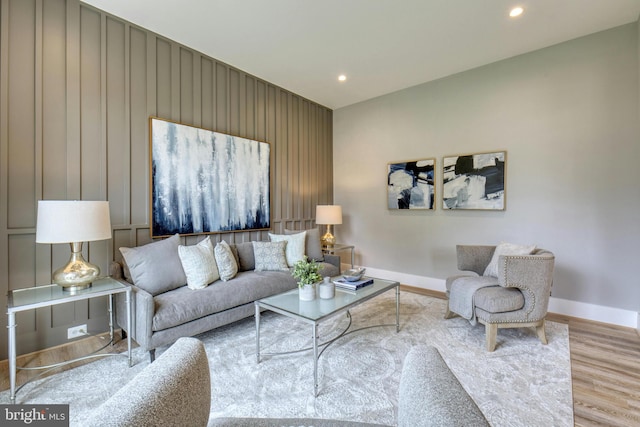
(77, 87)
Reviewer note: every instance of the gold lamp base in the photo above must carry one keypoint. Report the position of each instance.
(78, 273)
(328, 240)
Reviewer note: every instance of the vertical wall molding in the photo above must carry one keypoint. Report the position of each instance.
(96, 79)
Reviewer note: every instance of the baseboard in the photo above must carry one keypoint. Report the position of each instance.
(597, 313)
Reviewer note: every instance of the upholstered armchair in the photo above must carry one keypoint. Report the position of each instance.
(518, 297)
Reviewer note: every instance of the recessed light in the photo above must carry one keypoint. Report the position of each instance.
(516, 11)
(342, 77)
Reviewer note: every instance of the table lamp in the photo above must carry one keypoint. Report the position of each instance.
(73, 222)
(329, 215)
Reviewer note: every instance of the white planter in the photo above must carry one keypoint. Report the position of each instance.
(307, 293)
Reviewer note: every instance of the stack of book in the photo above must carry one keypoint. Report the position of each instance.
(353, 286)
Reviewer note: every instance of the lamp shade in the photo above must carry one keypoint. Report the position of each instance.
(67, 221)
(328, 214)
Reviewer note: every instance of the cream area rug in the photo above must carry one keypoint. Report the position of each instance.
(521, 383)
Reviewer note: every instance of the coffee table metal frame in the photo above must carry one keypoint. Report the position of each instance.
(50, 295)
(286, 302)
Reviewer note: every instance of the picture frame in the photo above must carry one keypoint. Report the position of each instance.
(474, 181)
(205, 182)
(410, 184)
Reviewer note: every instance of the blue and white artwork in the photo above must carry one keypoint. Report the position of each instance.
(207, 182)
(410, 185)
(474, 181)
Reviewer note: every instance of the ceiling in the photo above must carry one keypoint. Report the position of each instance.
(380, 45)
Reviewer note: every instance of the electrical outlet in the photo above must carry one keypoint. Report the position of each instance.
(77, 331)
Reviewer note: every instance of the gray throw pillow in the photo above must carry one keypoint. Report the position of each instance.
(156, 267)
(270, 256)
(313, 247)
(227, 264)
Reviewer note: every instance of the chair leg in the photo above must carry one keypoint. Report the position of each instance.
(491, 330)
(541, 333)
(152, 355)
(448, 313)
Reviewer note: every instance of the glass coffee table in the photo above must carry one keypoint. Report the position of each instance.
(316, 311)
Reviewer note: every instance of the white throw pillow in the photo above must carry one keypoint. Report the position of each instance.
(294, 251)
(506, 249)
(199, 264)
(270, 256)
(227, 265)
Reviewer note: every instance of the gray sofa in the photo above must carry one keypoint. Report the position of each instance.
(160, 319)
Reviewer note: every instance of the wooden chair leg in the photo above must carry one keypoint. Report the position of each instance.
(448, 314)
(491, 330)
(541, 333)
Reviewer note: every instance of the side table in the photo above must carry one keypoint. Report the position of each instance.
(50, 295)
(331, 250)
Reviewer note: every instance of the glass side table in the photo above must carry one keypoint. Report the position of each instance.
(50, 295)
(331, 250)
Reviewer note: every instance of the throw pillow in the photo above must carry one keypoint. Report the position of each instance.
(199, 264)
(270, 256)
(156, 267)
(506, 249)
(227, 265)
(294, 250)
(313, 247)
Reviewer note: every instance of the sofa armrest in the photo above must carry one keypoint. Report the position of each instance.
(333, 260)
(474, 257)
(431, 395)
(175, 390)
(142, 312)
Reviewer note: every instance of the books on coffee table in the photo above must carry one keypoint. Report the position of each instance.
(353, 286)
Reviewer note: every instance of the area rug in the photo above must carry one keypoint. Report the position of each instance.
(521, 383)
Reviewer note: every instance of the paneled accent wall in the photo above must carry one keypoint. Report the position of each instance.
(77, 87)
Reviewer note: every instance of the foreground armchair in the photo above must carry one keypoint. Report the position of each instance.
(518, 297)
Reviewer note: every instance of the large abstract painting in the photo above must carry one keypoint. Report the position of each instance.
(207, 182)
(410, 184)
(474, 181)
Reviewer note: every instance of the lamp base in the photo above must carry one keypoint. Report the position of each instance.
(78, 273)
(328, 240)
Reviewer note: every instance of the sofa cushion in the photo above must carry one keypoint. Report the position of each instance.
(227, 265)
(295, 249)
(199, 264)
(246, 260)
(497, 299)
(183, 305)
(156, 267)
(270, 256)
(313, 247)
(506, 249)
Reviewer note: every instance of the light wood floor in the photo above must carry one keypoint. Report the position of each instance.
(605, 368)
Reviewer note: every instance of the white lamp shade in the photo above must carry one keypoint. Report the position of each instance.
(68, 221)
(328, 214)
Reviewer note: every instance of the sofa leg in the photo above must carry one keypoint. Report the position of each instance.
(152, 355)
(541, 333)
(123, 334)
(492, 333)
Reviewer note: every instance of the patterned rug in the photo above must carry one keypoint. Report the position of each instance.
(521, 383)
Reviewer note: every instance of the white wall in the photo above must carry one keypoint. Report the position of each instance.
(567, 116)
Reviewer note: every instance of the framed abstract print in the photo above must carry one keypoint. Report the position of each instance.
(410, 185)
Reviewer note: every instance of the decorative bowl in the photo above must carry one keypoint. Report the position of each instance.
(354, 274)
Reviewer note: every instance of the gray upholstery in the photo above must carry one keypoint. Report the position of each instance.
(521, 297)
(175, 390)
(430, 396)
(182, 312)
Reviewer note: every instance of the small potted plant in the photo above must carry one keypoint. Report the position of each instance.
(306, 271)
